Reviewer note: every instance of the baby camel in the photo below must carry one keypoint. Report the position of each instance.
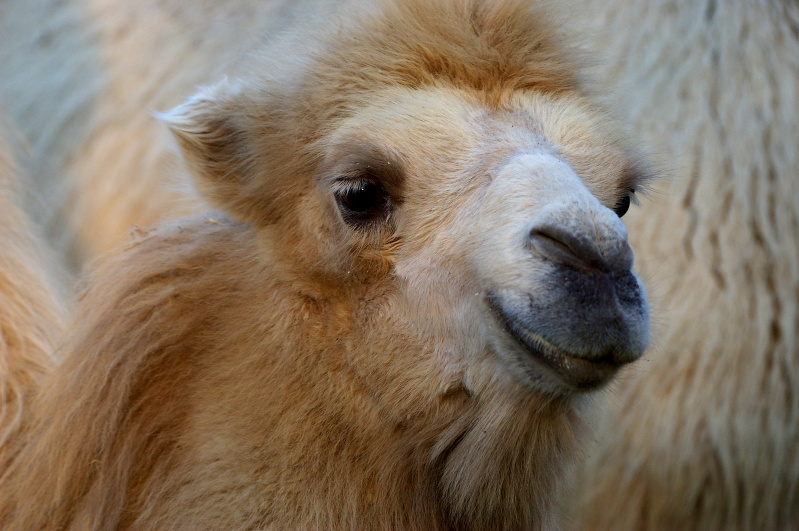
(417, 277)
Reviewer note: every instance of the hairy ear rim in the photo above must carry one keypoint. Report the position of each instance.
(206, 128)
(237, 157)
(184, 117)
(215, 145)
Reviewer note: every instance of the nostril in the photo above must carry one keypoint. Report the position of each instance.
(568, 246)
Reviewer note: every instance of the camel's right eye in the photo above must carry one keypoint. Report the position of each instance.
(623, 204)
(361, 201)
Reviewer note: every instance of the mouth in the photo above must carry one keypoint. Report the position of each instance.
(576, 372)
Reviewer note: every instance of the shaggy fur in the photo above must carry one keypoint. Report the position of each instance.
(280, 366)
(706, 434)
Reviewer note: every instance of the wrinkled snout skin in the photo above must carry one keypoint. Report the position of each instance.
(566, 310)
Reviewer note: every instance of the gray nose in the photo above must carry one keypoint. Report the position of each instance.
(582, 244)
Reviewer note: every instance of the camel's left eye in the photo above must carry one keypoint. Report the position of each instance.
(623, 204)
(361, 201)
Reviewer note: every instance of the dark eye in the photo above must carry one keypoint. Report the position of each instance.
(622, 205)
(361, 201)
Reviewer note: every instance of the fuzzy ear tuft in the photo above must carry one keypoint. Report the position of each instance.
(214, 135)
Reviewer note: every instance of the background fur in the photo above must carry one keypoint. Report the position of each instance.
(30, 311)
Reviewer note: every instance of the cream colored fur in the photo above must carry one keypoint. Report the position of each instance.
(282, 365)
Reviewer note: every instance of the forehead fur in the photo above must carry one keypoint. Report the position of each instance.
(492, 48)
(484, 51)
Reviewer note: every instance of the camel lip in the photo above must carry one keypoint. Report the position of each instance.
(575, 372)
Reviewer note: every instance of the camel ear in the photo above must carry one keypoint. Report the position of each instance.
(216, 136)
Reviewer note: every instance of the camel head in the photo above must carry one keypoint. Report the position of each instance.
(451, 184)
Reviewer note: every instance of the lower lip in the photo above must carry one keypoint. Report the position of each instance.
(577, 373)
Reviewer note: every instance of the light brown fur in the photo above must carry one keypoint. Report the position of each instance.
(275, 366)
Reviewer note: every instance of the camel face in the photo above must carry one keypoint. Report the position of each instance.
(478, 227)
